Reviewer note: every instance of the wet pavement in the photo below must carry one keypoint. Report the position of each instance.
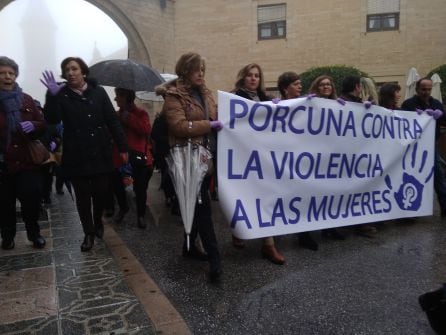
(61, 290)
(137, 282)
(357, 286)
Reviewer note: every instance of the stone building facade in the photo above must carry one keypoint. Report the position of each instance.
(317, 32)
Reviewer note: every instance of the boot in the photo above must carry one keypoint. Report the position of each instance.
(270, 252)
(120, 216)
(306, 241)
(99, 230)
(140, 223)
(238, 243)
(194, 253)
(88, 242)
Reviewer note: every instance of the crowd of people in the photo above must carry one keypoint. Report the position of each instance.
(99, 144)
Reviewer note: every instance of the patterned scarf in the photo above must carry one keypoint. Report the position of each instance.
(11, 102)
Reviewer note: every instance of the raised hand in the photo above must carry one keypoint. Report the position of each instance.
(50, 82)
(217, 125)
(27, 126)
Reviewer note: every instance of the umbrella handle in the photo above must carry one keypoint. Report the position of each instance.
(188, 242)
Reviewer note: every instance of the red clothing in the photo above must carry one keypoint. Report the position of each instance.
(137, 127)
(17, 157)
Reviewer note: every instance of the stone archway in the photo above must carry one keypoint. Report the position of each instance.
(138, 50)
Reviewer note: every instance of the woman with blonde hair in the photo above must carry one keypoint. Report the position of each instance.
(191, 113)
(250, 85)
(368, 91)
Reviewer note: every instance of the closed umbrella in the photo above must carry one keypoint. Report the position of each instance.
(436, 87)
(187, 167)
(125, 73)
(412, 78)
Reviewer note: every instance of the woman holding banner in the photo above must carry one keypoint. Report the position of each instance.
(250, 85)
(290, 87)
(323, 87)
(389, 96)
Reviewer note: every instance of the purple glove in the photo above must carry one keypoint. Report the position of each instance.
(419, 111)
(311, 96)
(217, 125)
(53, 146)
(437, 113)
(367, 104)
(429, 111)
(50, 83)
(27, 126)
(275, 100)
(341, 101)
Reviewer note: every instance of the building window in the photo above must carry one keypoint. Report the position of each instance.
(271, 21)
(380, 22)
(383, 15)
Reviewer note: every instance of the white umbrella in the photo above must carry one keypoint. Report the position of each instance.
(412, 78)
(436, 87)
(187, 167)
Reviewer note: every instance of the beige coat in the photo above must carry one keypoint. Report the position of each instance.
(185, 116)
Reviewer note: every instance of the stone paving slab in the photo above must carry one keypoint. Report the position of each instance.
(60, 290)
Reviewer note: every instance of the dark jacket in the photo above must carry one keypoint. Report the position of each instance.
(90, 122)
(351, 98)
(415, 102)
(16, 155)
(262, 96)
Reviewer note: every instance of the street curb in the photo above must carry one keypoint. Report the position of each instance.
(165, 318)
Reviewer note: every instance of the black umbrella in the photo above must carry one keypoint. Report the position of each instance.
(125, 73)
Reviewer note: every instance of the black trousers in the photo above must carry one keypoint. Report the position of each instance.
(47, 173)
(204, 226)
(26, 186)
(141, 178)
(90, 191)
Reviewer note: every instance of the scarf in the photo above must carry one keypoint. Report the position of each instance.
(253, 95)
(11, 103)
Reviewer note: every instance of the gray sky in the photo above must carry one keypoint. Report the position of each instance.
(39, 34)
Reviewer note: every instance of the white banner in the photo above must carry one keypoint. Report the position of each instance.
(304, 165)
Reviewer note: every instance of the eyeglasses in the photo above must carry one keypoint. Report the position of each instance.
(324, 84)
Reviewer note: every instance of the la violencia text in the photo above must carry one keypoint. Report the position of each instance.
(306, 165)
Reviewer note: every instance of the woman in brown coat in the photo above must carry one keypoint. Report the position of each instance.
(191, 113)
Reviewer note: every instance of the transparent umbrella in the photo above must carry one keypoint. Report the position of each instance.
(436, 87)
(412, 77)
(187, 167)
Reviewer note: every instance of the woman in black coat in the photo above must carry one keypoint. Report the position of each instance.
(90, 123)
